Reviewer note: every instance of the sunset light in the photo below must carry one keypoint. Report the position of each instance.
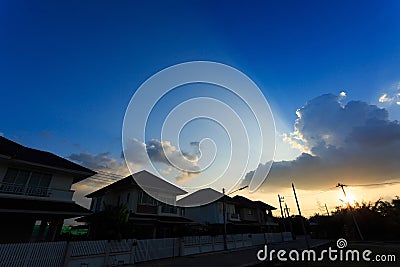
(176, 133)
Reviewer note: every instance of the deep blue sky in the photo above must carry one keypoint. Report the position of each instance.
(69, 68)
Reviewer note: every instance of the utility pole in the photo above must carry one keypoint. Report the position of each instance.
(351, 210)
(287, 211)
(224, 211)
(301, 218)
(326, 208)
(290, 220)
(281, 199)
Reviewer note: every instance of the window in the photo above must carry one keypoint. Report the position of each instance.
(128, 196)
(165, 208)
(98, 203)
(145, 199)
(250, 212)
(17, 181)
(40, 179)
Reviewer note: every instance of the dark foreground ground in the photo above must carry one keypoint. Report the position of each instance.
(247, 257)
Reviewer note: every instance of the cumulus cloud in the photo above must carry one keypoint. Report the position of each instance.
(163, 152)
(95, 161)
(352, 143)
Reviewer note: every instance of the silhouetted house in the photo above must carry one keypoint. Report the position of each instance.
(255, 214)
(35, 187)
(154, 218)
(211, 213)
(242, 214)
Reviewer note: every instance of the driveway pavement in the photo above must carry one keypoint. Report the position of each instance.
(235, 258)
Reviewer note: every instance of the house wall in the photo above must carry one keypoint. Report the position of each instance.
(59, 187)
(211, 213)
(204, 214)
(61, 181)
(248, 214)
(112, 197)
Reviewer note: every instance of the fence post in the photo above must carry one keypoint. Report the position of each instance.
(181, 246)
(67, 255)
(133, 250)
(107, 254)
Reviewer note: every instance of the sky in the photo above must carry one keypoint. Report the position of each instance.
(329, 71)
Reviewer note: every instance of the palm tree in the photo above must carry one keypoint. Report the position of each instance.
(111, 223)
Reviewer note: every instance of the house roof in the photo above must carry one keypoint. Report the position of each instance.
(11, 150)
(42, 207)
(205, 195)
(147, 180)
(265, 205)
(245, 202)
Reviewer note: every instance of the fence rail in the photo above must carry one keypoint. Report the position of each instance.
(117, 253)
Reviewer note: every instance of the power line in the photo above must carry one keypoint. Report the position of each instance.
(313, 194)
(373, 184)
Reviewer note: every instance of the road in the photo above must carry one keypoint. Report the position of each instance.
(235, 258)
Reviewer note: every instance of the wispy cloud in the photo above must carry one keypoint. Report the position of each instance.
(391, 96)
(384, 98)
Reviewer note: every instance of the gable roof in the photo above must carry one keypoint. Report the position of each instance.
(245, 202)
(203, 196)
(147, 180)
(11, 150)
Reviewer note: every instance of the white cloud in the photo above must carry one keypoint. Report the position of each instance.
(176, 161)
(342, 94)
(384, 98)
(100, 162)
(180, 164)
(352, 143)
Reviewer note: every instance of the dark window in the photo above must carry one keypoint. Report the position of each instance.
(40, 179)
(98, 203)
(17, 181)
(128, 196)
(145, 199)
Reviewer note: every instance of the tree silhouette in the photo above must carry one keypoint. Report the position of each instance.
(111, 223)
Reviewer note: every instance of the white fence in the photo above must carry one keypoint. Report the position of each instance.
(32, 254)
(118, 253)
